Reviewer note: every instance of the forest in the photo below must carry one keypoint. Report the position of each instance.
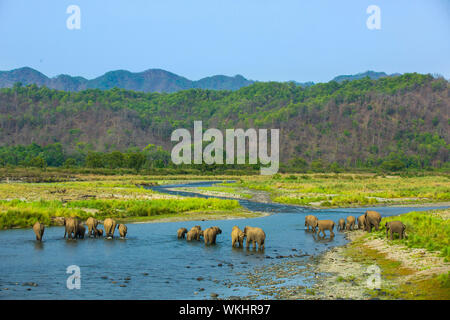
(391, 123)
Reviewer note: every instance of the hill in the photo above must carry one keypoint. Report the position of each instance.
(357, 123)
(152, 80)
(371, 74)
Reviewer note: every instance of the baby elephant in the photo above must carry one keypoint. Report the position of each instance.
(395, 227)
(98, 233)
(341, 224)
(81, 231)
(38, 229)
(181, 233)
(361, 222)
(237, 235)
(325, 225)
(350, 222)
(122, 230)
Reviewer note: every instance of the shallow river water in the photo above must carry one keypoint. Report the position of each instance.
(152, 263)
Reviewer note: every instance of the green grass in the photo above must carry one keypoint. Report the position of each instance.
(344, 190)
(17, 213)
(425, 230)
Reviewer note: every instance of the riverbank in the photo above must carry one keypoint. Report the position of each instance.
(407, 269)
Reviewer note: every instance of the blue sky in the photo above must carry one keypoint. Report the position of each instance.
(263, 40)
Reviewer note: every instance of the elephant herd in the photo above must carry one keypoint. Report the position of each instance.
(366, 221)
(255, 236)
(76, 229)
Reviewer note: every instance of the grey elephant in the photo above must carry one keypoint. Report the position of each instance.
(194, 234)
(71, 227)
(98, 233)
(210, 234)
(361, 222)
(350, 222)
(395, 227)
(92, 224)
(110, 226)
(255, 236)
(81, 231)
(371, 219)
(323, 225)
(237, 235)
(39, 229)
(310, 221)
(181, 233)
(123, 230)
(341, 224)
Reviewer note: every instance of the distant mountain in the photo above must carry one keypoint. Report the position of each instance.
(371, 74)
(152, 80)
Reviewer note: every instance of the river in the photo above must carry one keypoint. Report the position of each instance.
(153, 264)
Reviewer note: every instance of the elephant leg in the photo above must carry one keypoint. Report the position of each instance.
(392, 235)
(233, 242)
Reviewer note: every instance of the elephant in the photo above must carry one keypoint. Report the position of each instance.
(81, 230)
(71, 227)
(98, 232)
(371, 219)
(92, 224)
(181, 233)
(210, 234)
(310, 221)
(350, 223)
(255, 235)
(194, 234)
(325, 225)
(361, 222)
(237, 235)
(341, 224)
(122, 230)
(110, 227)
(39, 229)
(395, 227)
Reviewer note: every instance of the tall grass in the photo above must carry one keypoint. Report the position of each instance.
(17, 213)
(425, 230)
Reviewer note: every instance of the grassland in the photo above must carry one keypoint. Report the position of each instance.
(346, 190)
(122, 197)
(30, 195)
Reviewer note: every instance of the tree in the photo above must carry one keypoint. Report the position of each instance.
(37, 162)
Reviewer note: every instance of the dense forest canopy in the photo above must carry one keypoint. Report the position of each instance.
(399, 121)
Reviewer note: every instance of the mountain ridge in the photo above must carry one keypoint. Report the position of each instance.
(150, 80)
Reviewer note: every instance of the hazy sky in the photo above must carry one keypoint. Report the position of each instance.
(279, 40)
